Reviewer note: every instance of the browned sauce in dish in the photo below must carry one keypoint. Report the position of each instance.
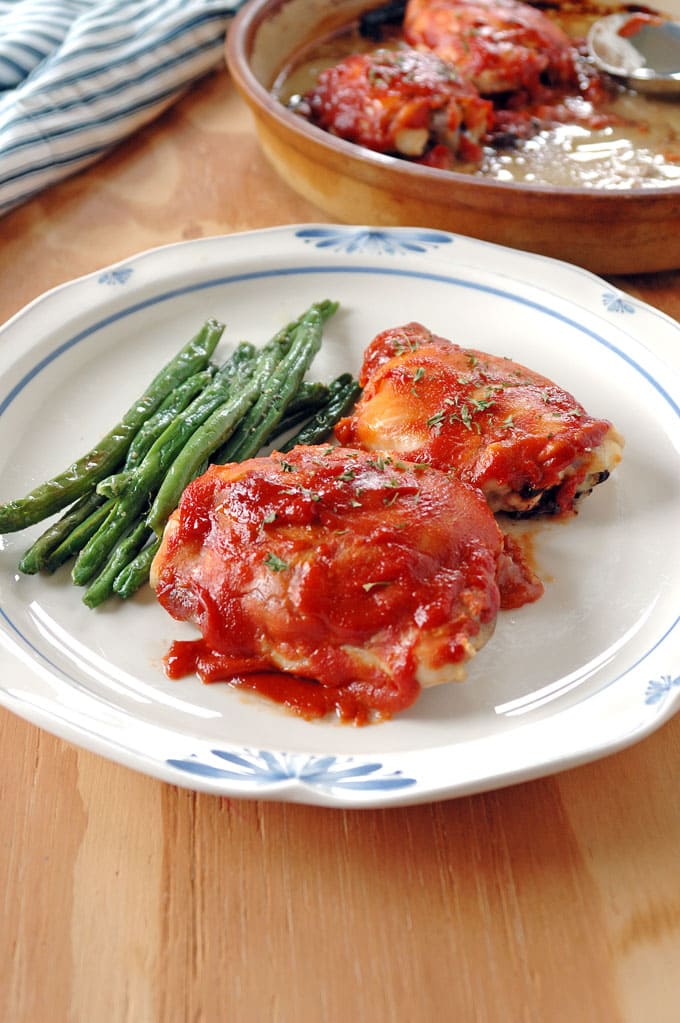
(588, 132)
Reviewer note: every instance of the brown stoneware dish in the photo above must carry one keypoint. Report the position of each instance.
(609, 231)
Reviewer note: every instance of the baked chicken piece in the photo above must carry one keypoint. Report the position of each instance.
(527, 444)
(401, 102)
(370, 576)
(498, 45)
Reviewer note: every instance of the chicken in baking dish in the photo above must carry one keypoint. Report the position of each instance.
(498, 45)
(367, 575)
(527, 444)
(461, 80)
(400, 101)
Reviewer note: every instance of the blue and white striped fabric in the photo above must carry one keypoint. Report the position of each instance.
(78, 76)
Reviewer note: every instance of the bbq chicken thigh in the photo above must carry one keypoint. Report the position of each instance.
(498, 45)
(527, 444)
(367, 575)
(401, 102)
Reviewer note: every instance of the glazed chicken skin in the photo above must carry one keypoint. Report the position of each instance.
(401, 102)
(368, 575)
(527, 444)
(498, 45)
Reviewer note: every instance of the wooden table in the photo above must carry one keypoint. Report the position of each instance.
(125, 899)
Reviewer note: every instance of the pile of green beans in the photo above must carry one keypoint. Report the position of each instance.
(119, 496)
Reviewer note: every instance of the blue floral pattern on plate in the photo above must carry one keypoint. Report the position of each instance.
(260, 768)
(616, 303)
(375, 242)
(658, 688)
(117, 275)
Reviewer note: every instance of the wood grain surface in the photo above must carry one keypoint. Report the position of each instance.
(126, 900)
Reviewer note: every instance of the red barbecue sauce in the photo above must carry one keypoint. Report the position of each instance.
(304, 697)
(322, 550)
(490, 420)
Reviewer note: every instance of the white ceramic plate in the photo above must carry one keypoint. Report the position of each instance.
(590, 668)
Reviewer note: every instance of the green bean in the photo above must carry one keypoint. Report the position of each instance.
(55, 494)
(302, 408)
(194, 456)
(290, 420)
(136, 573)
(144, 479)
(280, 388)
(311, 395)
(243, 356)
(101, 588)
(77, 538)
(281, 341)
(113, 486)
(344, 392)
(36, 557)
(175, 403)
(123, 491)
(310, 398)
(191, 459)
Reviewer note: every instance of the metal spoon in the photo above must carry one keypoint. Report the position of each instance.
(642, 50)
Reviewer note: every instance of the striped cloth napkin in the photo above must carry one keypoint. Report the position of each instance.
(77, 76)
